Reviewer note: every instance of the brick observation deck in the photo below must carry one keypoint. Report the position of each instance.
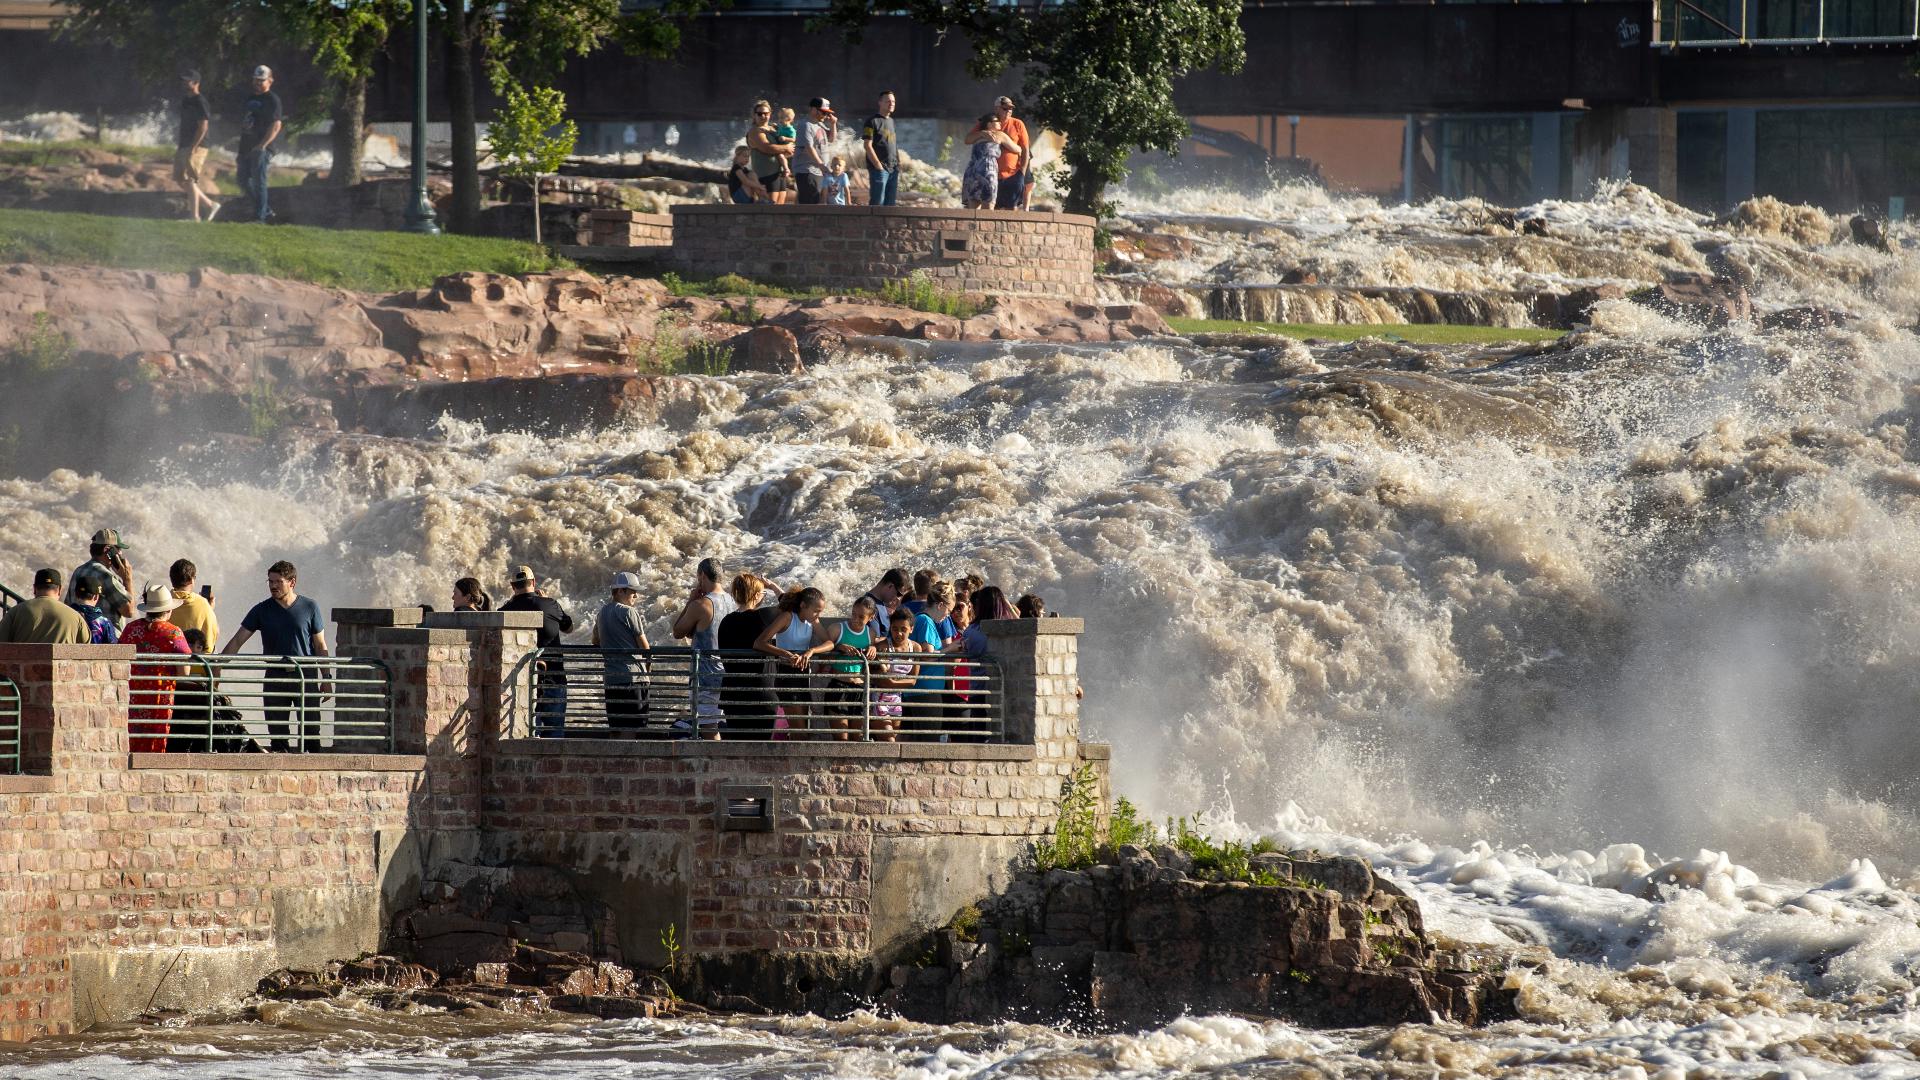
(784, 866)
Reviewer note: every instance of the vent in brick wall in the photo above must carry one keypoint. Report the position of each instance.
(954, 245)
(746, 807)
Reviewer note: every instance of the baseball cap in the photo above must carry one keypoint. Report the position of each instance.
(1003, 102)
(109, 538)
(626, 581)
(48, 578)
(190, 75)
(263, 72)
(821, 103)
(521, 575)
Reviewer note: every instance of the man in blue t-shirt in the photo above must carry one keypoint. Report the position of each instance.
(289, 625)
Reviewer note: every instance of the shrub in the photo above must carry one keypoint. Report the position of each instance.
(919, 292)
(44, 349)
(1076, 834)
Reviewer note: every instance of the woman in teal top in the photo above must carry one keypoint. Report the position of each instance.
(932, 693)
(846, 696)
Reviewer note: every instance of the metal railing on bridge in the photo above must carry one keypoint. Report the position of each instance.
(260, 704)
(669, 692)
(1705, 24)
(9, 727)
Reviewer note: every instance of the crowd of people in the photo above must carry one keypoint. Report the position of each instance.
(767, 663)
(787, 159)
(175, 619)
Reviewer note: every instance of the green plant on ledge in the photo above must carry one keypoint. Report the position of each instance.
(44, 349)
(670, 941)
(919, 292)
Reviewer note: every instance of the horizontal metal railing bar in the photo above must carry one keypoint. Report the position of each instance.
(230, 704)
(752, 691)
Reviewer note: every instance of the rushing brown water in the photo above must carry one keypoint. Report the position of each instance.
(1651, 585)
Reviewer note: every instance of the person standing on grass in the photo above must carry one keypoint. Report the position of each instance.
(190, 152)
(260, 125)
(290, 626)
(883, 156)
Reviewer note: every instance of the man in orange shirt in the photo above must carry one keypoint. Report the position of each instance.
(1016, 177)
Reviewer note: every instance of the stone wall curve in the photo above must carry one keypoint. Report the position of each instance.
(838, 247)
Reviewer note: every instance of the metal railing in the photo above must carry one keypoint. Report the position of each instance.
(261, 704)
(1707, 24)
(676, 692)
(8, 598)
(9, 727)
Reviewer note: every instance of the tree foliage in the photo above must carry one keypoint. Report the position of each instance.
(530, 133)
(1100, 72)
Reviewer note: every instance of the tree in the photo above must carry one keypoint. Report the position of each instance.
(531, 41)
(346, 36)
(531, 136)
(1100, 72)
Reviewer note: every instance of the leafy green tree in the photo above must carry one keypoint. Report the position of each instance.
(532, 41)
(1100, 72)
(531, 136)
(346, 36)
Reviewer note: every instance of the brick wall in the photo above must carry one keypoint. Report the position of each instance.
(181, 878)
(629, 228)
(971, 251)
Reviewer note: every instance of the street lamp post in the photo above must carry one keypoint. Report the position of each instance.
(420, 217)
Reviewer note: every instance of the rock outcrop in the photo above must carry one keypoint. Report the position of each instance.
(1137, 941)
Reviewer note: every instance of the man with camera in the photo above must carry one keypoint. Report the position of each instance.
(109, 568)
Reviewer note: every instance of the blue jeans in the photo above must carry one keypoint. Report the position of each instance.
(253, 179)
(883, 186)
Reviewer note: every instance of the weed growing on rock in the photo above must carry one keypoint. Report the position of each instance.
(266, 413)
(966, 924)
(45, 348)
(919, 292)
(1128, 827)
(1076, 834)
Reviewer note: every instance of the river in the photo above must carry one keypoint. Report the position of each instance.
(1527, 625)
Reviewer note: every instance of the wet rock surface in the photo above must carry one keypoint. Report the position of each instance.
(1136, 941)
(514, 939)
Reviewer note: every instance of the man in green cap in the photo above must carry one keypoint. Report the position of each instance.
(108, 567)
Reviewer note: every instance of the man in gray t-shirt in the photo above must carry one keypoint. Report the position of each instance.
(810, 141)
(619, 634)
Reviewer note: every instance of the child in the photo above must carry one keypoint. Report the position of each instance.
(742, 186)
(833, 188)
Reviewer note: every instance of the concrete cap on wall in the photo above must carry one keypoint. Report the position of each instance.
(856, 212)
(485, 620)
(1019, 628)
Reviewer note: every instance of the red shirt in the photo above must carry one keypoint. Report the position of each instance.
(151, 694)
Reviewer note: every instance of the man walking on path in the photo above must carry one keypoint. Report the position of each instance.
(259, 127)
(289, 625)
(44, 620)
(883, 157)
(190, 152)
(551, 712)
(810, 149)
(107, 565)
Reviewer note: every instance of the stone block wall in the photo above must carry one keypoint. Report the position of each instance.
(181, 878)
(629, 228)
(972, 251)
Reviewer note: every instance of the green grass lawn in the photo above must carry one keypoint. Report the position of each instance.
(1416, 333)
(41, 154)
(367, 261)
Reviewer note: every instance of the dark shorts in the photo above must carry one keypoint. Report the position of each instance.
(1011, 189)
(776, 182)
(808, 185)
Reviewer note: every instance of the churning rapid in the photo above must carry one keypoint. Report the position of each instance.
(1651, 585)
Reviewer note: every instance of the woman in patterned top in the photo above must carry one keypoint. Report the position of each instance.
(151, 695)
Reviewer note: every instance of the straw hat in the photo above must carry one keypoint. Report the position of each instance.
(158, 600)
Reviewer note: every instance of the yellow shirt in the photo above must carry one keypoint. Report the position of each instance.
(196, 614)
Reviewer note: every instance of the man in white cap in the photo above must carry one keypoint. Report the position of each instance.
(810, 142)
(150, 697)
(260, 124)
(554, 622)
(617, 631)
